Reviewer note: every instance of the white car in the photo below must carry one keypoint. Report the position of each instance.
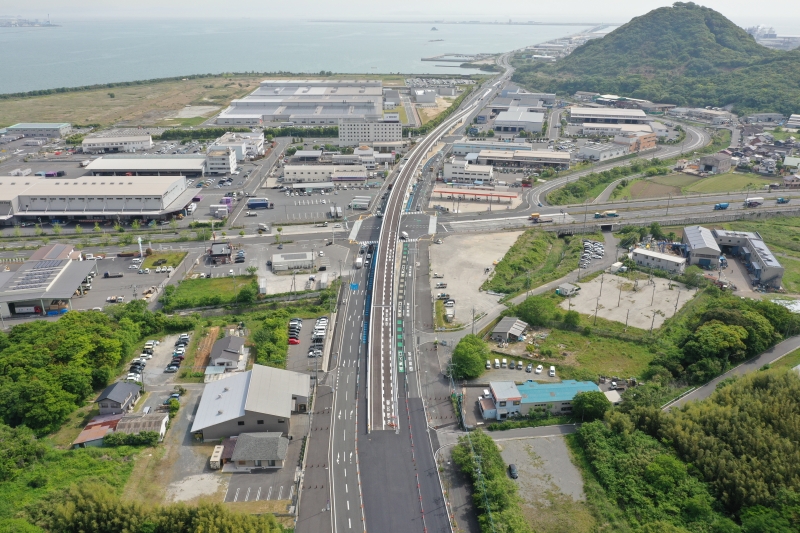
(133, 267)
(337, 225)
(169, 269)
(539, 369)
(321, 253)
(552, 372)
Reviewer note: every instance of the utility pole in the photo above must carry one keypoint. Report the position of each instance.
(602, 276)
(585, 208)
(619, 299)
(677, 299)
(668, 201)
(597, 305)
(626, 319)
(473, 321)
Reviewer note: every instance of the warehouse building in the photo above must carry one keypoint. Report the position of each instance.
(650, 259)
(190, 166)
(701, 248)
(614, 129)
(602, 152)
(44, 284)
(518, 119)
(424, 96)
(509, 328)
(42, 130)
(761, 264)
(259, 400)
(133, 143)
(356, 131)
(712, 116)
(91, 197)
(793, 122)
(221, 160)
(524, 158)
(715, 163)
(461, 171)
(464, 147)
(246, 145)
(639, 141)
(526, 98)
(307, 102)
(607, 115)
(293, 261)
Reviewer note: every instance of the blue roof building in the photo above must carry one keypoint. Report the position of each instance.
(557, 397)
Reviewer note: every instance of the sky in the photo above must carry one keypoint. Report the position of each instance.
(783, 14)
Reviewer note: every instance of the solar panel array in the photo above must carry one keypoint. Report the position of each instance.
(37, 277)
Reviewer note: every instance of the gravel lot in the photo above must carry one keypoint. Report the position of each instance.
(462, 259)
(614, 307)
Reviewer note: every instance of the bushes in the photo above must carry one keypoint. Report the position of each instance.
(197, 133)
(271, 340)
(145, 438)
(469, 357)
(297, 131)
(487, 471)
(579, 190)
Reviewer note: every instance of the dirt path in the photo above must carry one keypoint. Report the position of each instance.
(203, 354)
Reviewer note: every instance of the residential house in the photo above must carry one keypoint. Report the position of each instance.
(97, 428)
(227, 352)
(118, 398)
(260, 450)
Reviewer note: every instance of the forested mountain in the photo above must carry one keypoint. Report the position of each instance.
(686, 55)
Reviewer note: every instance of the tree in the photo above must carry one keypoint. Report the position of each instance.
(536, 310)
(251, 270)
(693, 276)
(590, 405)
(173, 224)
(247, 294)
(490, 133)
(17, 232)
(135, 225)
(97, 228)
(78, 229)
(572, 319)
(657, 232)
(57, 228)
(279, 229)
(469, 357)
(39, 231)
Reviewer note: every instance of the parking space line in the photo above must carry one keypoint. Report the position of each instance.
(269, 493)
(258, 494)
(236, 496)
(247, 494)
(280, 492)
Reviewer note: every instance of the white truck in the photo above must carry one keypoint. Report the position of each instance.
(359, 262)
(404, 235)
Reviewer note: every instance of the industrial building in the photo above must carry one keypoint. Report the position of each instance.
(715, 163)
(44, 284)
(424, 96)
(602, 152)
(246, 145)
(793, 122)
(650, 259)
(526, 98)
(259, 400)
(133, 143)
(323, 173)
(306, 102)
(756, 118)
(518, 119)
(637, 141)
(713, 116)
(190, 166)
(701, 248)
(614, 129)
(464, 147)
(509, 328)
(356, 131)
(607, 115)
(42, 130)
(762, 265)
(524, 158)
(221, 160)
(293, 261)
(461, 171)
(509, 400)
(90, 198)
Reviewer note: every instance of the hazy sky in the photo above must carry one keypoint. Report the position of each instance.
(783, 13)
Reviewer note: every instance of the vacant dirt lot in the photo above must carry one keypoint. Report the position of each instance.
(634, 301)
(549, 484)
(427, 114)
(650, 189)
(463, 260)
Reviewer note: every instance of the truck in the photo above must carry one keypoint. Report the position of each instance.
(404, 235)
(755, 201)
(782, 200)
(359, 262)
(250, 214)
(722, 206)
(259, 203)
(539, 219)
(442, 296)
(438, 276)
(112, 275)
(606, 214)
(263, 227)
(322, 225)
(441, 285)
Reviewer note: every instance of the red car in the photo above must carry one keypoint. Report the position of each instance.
(294, 341)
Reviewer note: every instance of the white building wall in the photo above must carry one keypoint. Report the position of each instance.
(353, 132)
(221, 161)
(118, 144)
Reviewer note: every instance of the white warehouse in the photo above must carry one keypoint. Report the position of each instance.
(519, 119)
(133, 143)
(247, 145)
(602, 152)
(650, 259)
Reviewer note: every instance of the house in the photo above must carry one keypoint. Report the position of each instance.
(791, 163)
(118, 398)
(701, 248)
(135, 423)
(554, 397)
(715, 163)
(259, 400)
(260, 450)
(504, 402)
(227, 352)
(792, 182)
(509, 327)
(97, 428)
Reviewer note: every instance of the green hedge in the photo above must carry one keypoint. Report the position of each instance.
(145, 438)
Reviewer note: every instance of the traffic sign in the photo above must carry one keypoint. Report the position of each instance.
(354, 286)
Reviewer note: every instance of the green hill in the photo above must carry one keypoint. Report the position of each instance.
(685, 55)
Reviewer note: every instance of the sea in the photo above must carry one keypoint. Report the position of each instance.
(80, 53)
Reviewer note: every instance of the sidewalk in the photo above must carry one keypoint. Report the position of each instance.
(314, 497)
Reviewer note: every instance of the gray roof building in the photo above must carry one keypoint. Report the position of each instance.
(227, 351)
(266, 446)
(701, 248)
(118, 398)
(135, 423)
(261, 399)
(508, 327)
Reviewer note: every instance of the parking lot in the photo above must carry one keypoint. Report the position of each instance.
(463, 260)
(130, 286)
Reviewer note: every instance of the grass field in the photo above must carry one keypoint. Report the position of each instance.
(400, 110)
(657, 187)
(146, 105)
(173, 259)
(200, 289)
(783, 134)
(789, 360)
(731, 181)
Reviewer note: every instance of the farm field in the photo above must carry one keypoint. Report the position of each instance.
(732, 181)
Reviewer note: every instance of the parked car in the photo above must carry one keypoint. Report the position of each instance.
(539, 369)
(294, 341)
(171, 369)
(512, 471)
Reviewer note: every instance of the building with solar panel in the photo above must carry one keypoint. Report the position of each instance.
(45, 284)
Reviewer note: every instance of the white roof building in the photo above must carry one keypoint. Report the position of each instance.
(149, 165)
(607, 115)
(130, 143)
(701, 248)
(650, 259)
(519, 119)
